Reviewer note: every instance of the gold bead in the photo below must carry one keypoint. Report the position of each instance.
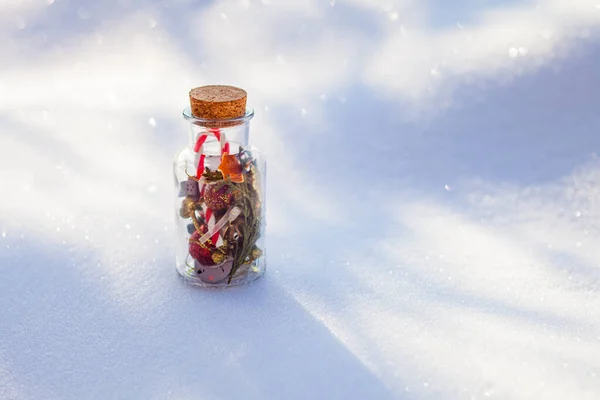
(188, 207)
(256, 253)
(218, 257)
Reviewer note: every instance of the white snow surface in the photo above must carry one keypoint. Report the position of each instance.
(433, 200)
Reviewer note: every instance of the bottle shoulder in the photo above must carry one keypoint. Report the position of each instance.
(184, 154)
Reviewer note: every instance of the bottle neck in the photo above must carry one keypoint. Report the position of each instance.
(236, 136)
(233, 131)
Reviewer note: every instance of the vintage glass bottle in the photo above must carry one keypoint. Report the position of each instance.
(220, 203)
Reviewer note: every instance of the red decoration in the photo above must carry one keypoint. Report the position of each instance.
(202, 254)
(198, 147)
(217, 199)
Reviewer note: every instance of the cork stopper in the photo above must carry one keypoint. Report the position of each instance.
(218, 102)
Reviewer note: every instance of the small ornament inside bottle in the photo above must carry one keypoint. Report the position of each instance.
(220, 192)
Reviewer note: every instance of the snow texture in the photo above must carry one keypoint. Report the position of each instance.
(433, 197)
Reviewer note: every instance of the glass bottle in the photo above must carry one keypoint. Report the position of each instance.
(220, 203)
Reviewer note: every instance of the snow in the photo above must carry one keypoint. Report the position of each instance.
(433, 200)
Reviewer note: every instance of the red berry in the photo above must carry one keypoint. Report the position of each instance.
(202, 254)
(217, 199)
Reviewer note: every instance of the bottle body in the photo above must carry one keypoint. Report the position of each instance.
(220, 204)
